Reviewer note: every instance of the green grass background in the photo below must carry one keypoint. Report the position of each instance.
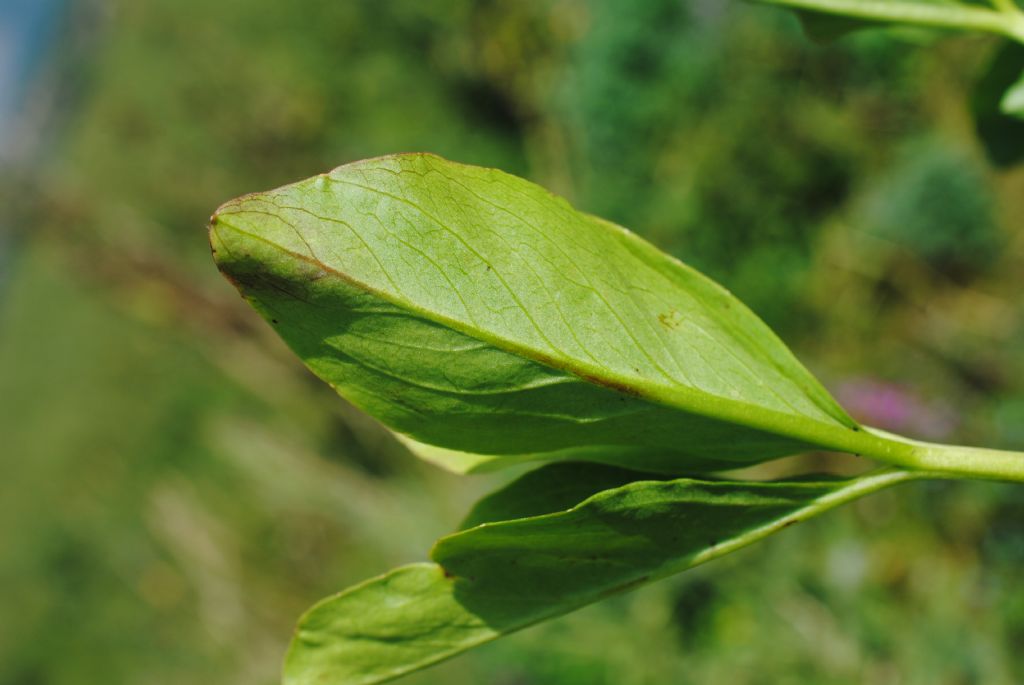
(177, 489)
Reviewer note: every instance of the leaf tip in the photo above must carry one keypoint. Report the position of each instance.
(218, 249)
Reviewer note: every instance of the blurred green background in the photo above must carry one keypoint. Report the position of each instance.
(177, 489)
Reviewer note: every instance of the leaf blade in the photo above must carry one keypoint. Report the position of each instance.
(500, 577)
(410, 286)
(1012, 103)
(1001, 134)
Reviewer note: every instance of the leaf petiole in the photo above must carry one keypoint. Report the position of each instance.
(953, 461)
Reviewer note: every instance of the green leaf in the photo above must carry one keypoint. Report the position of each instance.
(556, 487)
(1012, 104)
(472, 310)
(938, 14)
(1001, 134)
(499, 577)
(825, 28)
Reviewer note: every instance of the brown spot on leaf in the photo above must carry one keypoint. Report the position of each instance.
(670, 320)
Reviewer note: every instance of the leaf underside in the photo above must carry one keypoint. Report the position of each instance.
(496, 578)
(474, 311)
(489, 324)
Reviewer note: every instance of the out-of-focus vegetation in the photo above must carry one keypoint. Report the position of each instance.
(177, 489)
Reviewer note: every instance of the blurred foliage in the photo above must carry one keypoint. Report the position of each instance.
(933, 184)
(177, 489)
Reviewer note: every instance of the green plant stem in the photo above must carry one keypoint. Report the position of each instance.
(1007, 20)
(951, 461)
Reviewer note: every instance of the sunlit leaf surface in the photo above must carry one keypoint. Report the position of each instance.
(475, 311)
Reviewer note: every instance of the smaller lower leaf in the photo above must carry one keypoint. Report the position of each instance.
(499, 577)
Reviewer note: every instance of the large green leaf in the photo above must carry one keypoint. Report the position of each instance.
(499, 577)
(475, 311)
